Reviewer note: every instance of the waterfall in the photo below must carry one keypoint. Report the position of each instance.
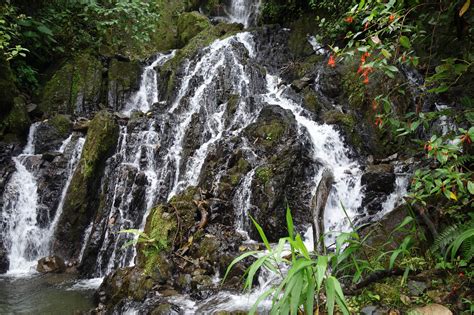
(243, 11)
(26, 240)
(132, 173)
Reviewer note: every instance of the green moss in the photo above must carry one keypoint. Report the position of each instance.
(264, 173)
(270, 132)
(338, 118)
(76, 84)
(123, 77)
(62, 124)
(189, 25)
(232, 103)
(159, 227)
(238, 170)
(389, 293)
(311, 101)
(101, 139)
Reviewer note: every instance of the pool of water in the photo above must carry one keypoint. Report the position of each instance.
(46, 294)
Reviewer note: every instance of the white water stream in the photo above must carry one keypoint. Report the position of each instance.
(26, 241)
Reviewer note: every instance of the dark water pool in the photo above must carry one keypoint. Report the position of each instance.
(46, 294)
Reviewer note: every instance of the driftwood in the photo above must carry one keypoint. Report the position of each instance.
(318, 205)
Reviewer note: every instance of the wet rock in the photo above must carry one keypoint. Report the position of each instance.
(81, 201)
(379, 182)
(50, 135)
(81, 124)
(50, 156)
(4, 263)
(300, 84)
(51, 264)
(432, 309)
(368, 310)
(416, 288)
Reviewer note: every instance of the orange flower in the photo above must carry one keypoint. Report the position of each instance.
(366, 26)
(349, 19)
(378, 121)
(366, 80)
(391, 18)
(331, 61)
(363, 58)
(374, 105)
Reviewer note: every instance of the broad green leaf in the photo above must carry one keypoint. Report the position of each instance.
(405, 42)
(470, 187)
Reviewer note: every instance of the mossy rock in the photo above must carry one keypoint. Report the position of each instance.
(335, 117)
(82, 197)
(14, 127)
(190, 24)
(237, 171)
(101, 139)
(264, 174)
(62, 124)
(161, 227)
(310, 101)
(75, 88)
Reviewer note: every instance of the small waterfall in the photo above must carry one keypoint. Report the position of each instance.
(243, 11)
(242, 202)
(328, 149)
(25, 239)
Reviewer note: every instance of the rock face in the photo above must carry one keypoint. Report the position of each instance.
(51, 264)
(81, 201)
(379, 182)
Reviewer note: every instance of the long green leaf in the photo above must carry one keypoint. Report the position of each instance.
(236, 260)
(261, 233)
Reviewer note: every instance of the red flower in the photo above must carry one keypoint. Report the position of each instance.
(465, 138)
(349, 19)
(366, 80)
(331, 61)
(391, 18)
(364, 56)
(378, 121)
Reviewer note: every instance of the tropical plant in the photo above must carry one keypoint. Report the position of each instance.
(303, 276)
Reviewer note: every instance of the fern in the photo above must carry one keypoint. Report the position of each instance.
(456, 238)
(463, 160)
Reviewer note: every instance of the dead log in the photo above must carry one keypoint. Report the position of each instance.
(318, 205)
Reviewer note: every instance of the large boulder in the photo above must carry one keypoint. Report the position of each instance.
(51, 264)
(50, 134)
(81, 201)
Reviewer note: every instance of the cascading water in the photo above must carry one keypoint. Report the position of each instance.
(132, 176)
(26, 239)
(243, 11)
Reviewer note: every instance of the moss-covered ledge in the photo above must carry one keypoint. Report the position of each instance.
(81, 201)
